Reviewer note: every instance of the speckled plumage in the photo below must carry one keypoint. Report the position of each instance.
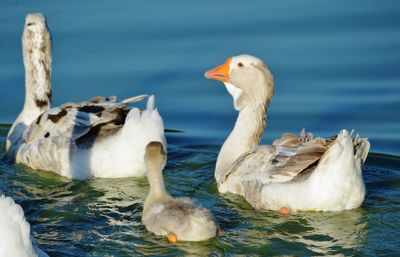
(102, 137)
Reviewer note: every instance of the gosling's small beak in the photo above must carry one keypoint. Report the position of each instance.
(220, 73)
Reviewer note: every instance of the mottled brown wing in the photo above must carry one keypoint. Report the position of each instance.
(75, 120)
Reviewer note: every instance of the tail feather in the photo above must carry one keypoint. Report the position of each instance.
(344, 145)
(352, 133)
(133, 115)
(361, 146)
(147, 123)
(149, 113)
(150, 103)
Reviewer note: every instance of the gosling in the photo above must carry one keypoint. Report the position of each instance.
(178, 219)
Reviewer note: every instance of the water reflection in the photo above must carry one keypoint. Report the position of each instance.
(306, 233)
(332, 233)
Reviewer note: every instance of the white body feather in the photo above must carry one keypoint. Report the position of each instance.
(335, 184)
(122, 155)
(15, 238)
(119, 154)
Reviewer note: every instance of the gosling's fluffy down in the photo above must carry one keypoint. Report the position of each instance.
(163, 214)
(182, 217)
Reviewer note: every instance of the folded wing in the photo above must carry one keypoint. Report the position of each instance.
(286, 159)
(76, 121)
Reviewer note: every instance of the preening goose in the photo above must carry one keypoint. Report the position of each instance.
(177, 218)
(296, 173)
(15, 238)
(102, 137)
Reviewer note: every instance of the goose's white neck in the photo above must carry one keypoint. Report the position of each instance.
(36, 45)
(37, 61)
(246, 135)
(157, 188)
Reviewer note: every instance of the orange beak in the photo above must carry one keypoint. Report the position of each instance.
(220, 73)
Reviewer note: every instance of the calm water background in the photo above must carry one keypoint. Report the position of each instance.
(336, 65)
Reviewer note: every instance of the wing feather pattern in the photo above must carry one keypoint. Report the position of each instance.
(283, 161)
(77, 121)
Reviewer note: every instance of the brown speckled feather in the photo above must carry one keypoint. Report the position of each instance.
(78, 121)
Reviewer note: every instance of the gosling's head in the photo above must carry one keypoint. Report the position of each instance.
(155, 155)
(246, 78)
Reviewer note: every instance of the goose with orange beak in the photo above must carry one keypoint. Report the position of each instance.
(295, 173)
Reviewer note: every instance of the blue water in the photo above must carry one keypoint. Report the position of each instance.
(335, 64)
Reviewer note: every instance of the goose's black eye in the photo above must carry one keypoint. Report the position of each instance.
(240, 64)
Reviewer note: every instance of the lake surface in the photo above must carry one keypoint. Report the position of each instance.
(336, 65)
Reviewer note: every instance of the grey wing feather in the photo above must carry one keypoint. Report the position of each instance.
(281, 162)
(41, 154)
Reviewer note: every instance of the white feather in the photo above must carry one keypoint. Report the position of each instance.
(15, 238)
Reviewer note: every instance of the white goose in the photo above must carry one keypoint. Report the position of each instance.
(15, 238)
(101, 137)
(176, 218)
(294, 173)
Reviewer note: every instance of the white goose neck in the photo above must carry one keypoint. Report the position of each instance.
(246, 135)
(37, 62)
(36, 45)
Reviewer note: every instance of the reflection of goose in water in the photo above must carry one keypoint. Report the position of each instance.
(15, 238)
(102, 137)
(177, 218)
(300, 173)
(331, 233)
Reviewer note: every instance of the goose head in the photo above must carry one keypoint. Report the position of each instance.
(246, 78)
(36, 23)
(36, 34)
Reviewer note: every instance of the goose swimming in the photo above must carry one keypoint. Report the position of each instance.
(102, 137)
(295, 173)
(177, 218)
(15, 238)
